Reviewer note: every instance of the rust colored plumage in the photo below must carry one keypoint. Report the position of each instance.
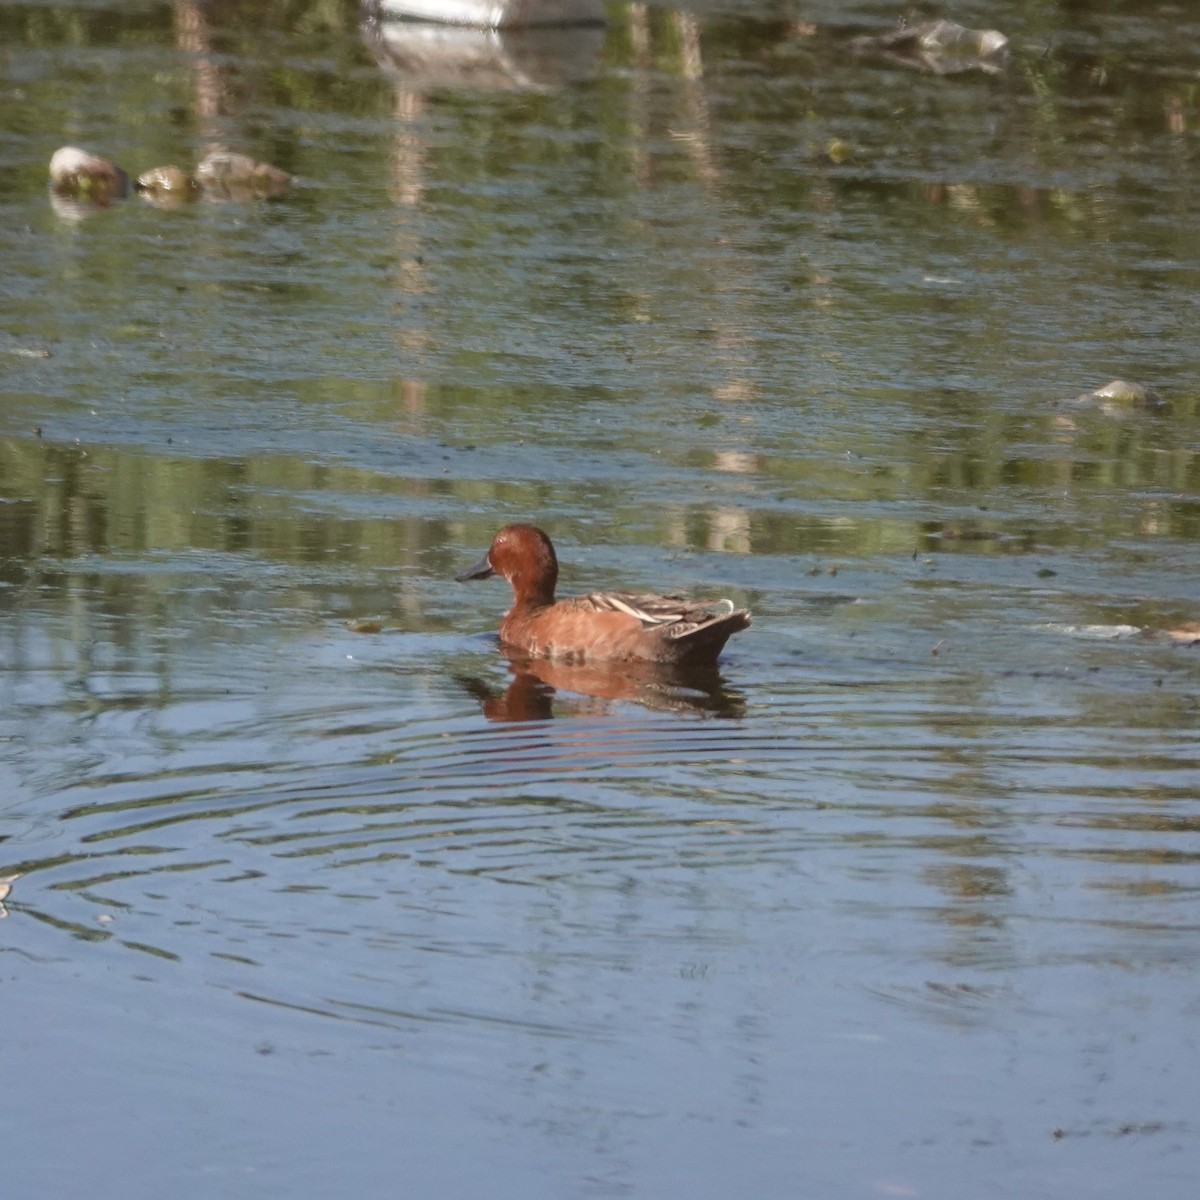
(612, 626)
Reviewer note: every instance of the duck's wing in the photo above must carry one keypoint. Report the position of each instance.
(674, 616)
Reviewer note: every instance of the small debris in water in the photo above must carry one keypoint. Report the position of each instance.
(369, 625)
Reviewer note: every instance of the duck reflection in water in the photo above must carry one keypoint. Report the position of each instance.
(533, 692)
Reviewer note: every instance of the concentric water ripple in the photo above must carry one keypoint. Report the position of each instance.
(227, 824)
(306, 887)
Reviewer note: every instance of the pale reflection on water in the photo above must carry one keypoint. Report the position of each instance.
(899, 899)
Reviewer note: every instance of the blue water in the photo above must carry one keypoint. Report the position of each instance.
(317, 893)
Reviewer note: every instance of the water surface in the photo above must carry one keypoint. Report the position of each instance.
(901, 903)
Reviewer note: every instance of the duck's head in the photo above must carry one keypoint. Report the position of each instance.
(523, 555)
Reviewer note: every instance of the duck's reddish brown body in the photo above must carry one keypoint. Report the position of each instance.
(612, 626)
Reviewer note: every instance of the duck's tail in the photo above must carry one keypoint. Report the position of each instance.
(703, 640)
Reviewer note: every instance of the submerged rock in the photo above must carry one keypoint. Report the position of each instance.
(942, 47)
(167, 187)
(239, 177)
(76, 173)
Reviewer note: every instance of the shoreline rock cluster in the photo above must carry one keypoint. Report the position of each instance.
(82, 182)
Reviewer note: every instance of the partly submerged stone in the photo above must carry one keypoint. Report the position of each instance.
(83, 176)
(1188, 633)
(1120, 396)
(239, 177)
(1119, 391)
(942, 47)
(167, 187)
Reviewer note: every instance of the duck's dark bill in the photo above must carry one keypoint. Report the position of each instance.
(481, 570)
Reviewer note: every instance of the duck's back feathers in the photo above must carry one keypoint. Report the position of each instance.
(696, 627)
